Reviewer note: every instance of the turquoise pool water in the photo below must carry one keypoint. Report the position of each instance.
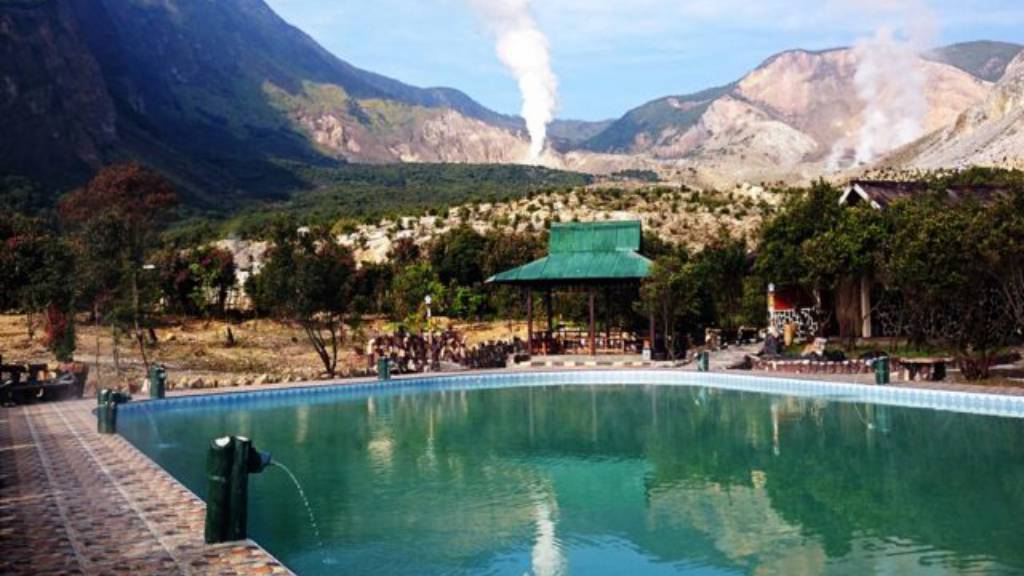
(613, 480)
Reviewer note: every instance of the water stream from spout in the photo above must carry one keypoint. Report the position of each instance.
(305, 501)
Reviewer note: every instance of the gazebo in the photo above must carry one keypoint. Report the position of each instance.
(582, 257)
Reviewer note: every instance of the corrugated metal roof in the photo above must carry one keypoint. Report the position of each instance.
(580, 252)
(594, 237)
(883, 193)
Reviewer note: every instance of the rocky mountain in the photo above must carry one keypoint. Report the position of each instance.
(228, 98)
(216, 93)
(797, 116)
(990, 133)
(985, 59)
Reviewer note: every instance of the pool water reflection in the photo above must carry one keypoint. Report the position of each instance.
(616, 480)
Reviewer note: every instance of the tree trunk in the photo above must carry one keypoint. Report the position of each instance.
(96, 327)
(139, 337)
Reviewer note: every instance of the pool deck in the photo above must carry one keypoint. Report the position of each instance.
(73, 501)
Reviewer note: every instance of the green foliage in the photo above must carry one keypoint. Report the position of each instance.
(805, 215)
(370, 193)
(956, 265)
(457, 256)
(940, 261)
(720, 269)
(411, 286)
(21, 195)
(467, 303)
(640, 175)
(308, 279)
(849, 250)
(196, 281)
(671, 293)
(38, 277)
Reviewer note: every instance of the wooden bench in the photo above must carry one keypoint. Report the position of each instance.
(20, 384)
(924, 369)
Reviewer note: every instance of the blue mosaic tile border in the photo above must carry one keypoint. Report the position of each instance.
(946, 400)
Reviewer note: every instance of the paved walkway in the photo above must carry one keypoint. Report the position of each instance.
(75, 502)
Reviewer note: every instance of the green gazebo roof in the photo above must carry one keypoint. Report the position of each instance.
(585, 252)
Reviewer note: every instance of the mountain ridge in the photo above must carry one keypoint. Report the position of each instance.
(227, 97)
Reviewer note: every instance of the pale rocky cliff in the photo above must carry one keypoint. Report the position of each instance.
(795, 118)
(990, 133)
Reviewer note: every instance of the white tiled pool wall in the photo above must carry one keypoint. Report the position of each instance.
(947, 400)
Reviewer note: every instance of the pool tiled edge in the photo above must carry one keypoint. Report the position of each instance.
(971, 402)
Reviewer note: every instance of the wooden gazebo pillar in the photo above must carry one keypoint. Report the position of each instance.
(549, 310)
(529, 321)
(593, 332)
(651, 331)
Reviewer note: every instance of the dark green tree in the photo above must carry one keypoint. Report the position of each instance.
(308, 280)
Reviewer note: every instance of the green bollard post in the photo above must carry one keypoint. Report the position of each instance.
(383, 369)
(157, 381)
(229, 462)
(245, 461)
(882, 375)
(219, 459)
(101, 418)
(704, 361)
(106, 418)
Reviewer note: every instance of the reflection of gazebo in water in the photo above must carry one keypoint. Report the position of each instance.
(582, 257)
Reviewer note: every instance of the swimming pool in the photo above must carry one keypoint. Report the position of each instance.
(652, 472)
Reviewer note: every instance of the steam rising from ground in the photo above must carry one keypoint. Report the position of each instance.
(889, 78)
(524, 50)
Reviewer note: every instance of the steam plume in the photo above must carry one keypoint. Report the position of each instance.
(524, 50)
(889, 79)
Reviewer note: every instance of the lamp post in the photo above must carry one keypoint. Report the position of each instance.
(430, 334)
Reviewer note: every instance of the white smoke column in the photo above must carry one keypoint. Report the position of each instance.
(525, 51)
(890, 79)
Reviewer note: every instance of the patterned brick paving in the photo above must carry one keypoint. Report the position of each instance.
(75, 502)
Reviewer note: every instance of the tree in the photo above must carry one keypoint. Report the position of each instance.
(409, 289)
(38, 278)
(505, 251)
(940, 259)
(1004, 252)
(847, 252)
(116, 219)
(671, 293)
(308, 280)
(198, 280)
(719, 272)
(457, 257)
(804, 216)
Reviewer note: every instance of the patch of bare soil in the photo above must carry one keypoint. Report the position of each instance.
(199, 354)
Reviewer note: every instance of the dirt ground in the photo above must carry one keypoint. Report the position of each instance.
(197, 352)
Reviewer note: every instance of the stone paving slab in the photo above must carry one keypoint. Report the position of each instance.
(76, 502)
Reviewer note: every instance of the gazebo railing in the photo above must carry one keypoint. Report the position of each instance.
(571, 341)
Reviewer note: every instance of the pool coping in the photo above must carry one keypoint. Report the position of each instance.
(962, 399)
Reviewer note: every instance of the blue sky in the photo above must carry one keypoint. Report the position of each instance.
(613, 55)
